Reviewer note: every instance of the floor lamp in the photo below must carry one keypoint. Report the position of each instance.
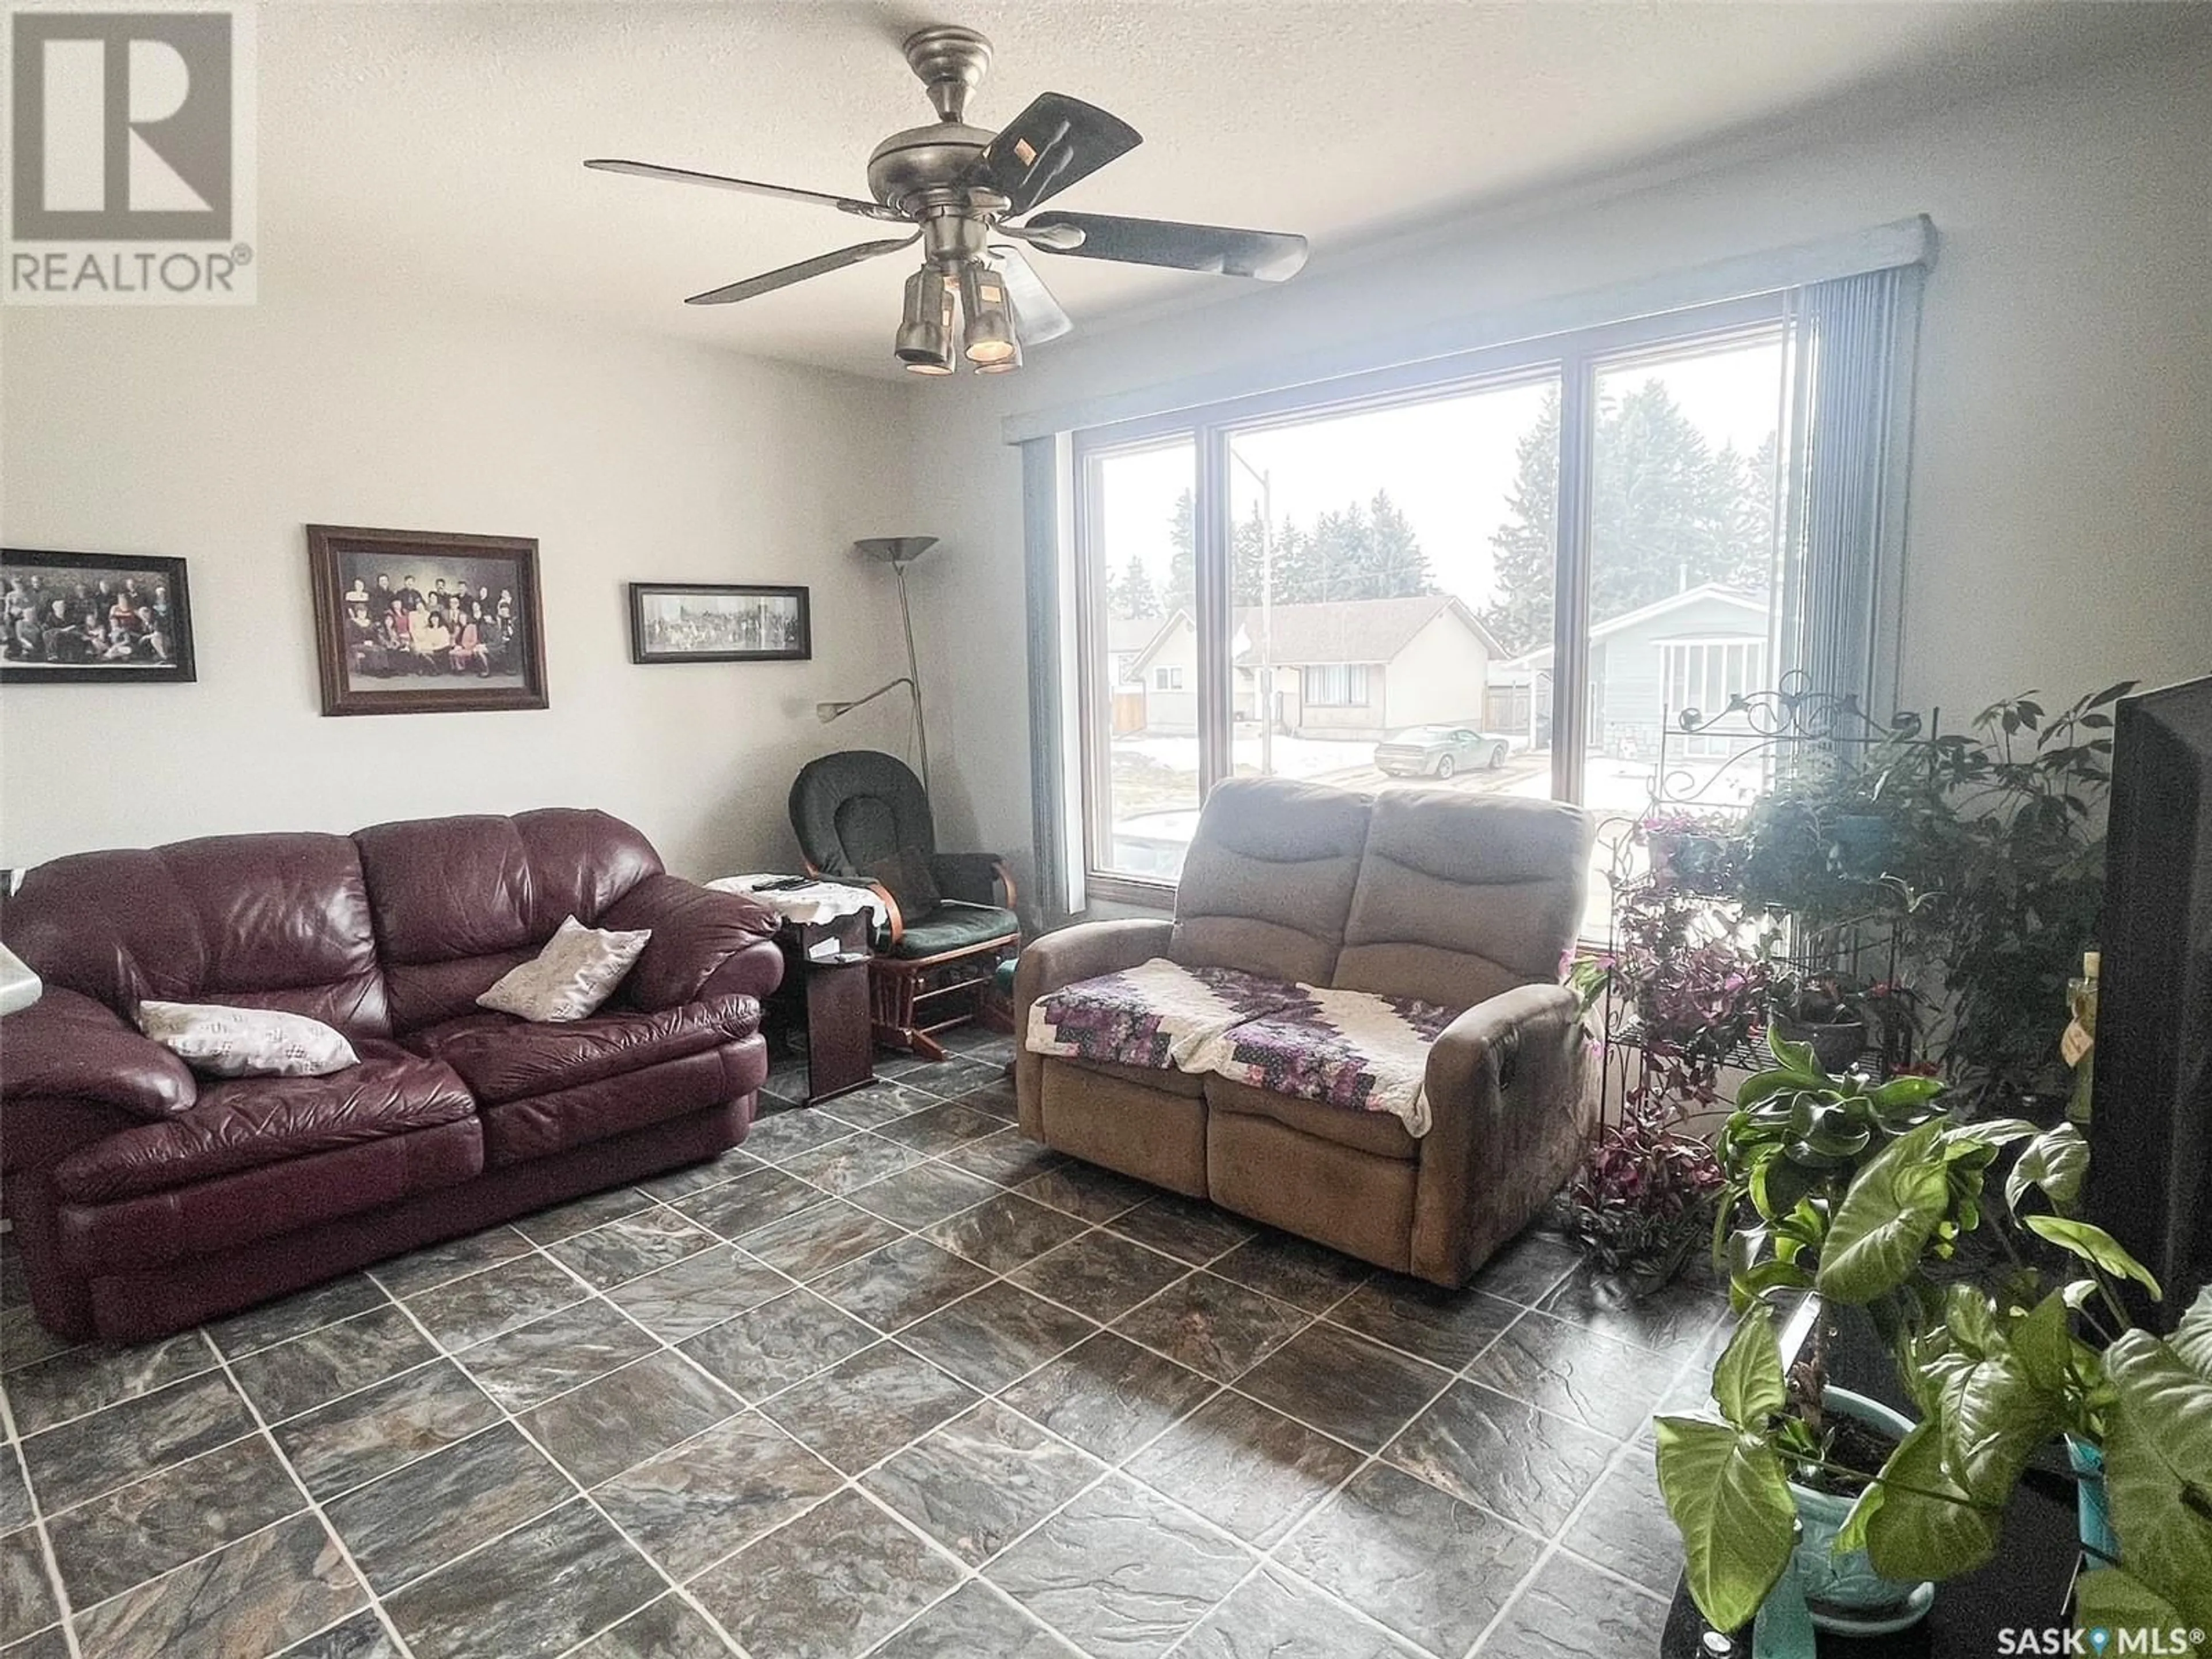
(898, 552)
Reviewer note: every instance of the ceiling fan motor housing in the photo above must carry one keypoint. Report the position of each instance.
(909, 170)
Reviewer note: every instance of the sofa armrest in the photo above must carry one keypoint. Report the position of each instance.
(704, 944)
(68, 1045)
(1511, 1109)
(1083, 951)
(973, 878)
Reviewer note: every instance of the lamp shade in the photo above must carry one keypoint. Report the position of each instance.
(900, 551)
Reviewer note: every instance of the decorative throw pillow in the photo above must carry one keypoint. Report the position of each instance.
(577, 970)
(226, 1042)
(906, 875)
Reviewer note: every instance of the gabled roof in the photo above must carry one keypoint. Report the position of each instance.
(1341, 631)
(1130, 633)
(1754, 607)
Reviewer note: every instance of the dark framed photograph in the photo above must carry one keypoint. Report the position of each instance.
(418, 622)
(704, 622)
(81, 617)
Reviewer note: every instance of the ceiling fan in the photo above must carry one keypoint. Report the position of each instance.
(961, 188)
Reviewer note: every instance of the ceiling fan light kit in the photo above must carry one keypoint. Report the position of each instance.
(968, 192)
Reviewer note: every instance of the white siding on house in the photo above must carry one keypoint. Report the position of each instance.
(1170, 712)
(1439, 678)
(1629, 704)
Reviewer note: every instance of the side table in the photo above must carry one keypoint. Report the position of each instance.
(822, 1003)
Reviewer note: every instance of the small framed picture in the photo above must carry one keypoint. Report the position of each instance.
(702, 621)
(81, 618)
(418, 622)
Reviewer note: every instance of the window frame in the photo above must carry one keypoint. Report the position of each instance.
(1575, 359)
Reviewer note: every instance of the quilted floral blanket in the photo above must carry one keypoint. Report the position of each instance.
(1352, 1049)
(1157, 1014)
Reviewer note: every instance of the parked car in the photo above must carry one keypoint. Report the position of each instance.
(1438, 751)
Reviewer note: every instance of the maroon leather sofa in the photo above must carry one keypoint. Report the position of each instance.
(146, 1199)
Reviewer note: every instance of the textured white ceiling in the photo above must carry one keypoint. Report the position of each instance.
(436, 148)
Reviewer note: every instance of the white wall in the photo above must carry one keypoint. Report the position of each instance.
(218, 435)
(2061, 517)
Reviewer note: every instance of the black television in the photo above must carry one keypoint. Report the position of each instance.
(2150, 1127)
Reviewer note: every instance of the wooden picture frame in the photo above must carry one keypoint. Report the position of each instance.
(418, 622)
(152, 647)
(720, 622)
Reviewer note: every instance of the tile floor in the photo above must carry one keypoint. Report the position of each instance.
(890, 1380)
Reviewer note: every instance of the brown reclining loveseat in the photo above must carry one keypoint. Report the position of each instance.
(1457, 908)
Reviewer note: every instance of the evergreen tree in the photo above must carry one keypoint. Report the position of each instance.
(1131, 596)
(1668, 512)
(1359, 551)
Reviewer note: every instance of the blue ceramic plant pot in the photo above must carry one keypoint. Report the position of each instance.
(1842, 1591)
(2092, 1512)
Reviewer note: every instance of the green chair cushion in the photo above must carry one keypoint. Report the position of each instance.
(955, 927)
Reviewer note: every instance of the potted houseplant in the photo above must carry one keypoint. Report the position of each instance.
(1643, 1201)
(1824, 1012)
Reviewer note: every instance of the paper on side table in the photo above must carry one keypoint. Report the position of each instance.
(817, 901)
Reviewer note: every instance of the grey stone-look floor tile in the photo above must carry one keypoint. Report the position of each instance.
(439, 1264)
(1184, 1227)
(697, 1177)
(626, 1416)
(140, 1531)
(361, 1637)
(1004, 1233)
(787, 1134)
(1086, 1191)
(258, 1595)
(974, 1622)
(292, 1316)
(941, 1128)
(900, 1284)
(365, 1435)
(1569, 1611)
(698, 1293)
(1110, 1396)
(1573, 1372)
(562, 1351)
(1445, 1328)
(750, 1202)
(885, 1101)
(632, 1247)
(443, 1505)
(997, 1099)
(478, 1308)
(1293, 1270)
(670, 1628)
(779, 1343)
(995, 1335)
(100, 1374)
(689, 1506)
(539, 1589)
(925, 1193)
(1503, 1455)
(1429, 1567)
(307, 1371)
(14, 1496)
(1008, 1158)
(1100, 1274)
(92, 1454)
(1247, 1468)
(1121, 1572)
(1673, 1321)
(24, 1341)
(815, 1241)
(843, 1165)
(1345, 1385)
(581, 1215)
(27, 1598)
(1212, 1326)
(866, 1408)
(1626, 1526)
(829, 1585)
(1275, 1615)
(981, 1480)
(1528, 1269)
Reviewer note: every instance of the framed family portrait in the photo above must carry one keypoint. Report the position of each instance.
(415, 622)
(702, 621)
(87, 617)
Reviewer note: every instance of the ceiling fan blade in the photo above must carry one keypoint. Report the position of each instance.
(1272, 256)
(1048, 147)
(686, 176)
(1037, 315)
(820, 265)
